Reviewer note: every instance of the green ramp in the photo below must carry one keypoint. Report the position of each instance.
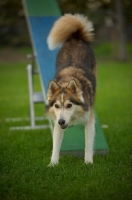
(40, 17)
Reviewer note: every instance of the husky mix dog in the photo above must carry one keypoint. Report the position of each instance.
(70, 97)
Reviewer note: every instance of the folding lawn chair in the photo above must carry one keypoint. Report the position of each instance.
(40, 17)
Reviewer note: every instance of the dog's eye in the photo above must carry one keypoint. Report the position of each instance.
(56, 105)
(69, 105)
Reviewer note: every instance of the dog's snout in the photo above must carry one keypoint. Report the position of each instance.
(61, 122)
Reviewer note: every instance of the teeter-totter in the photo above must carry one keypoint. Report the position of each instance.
(40, 17)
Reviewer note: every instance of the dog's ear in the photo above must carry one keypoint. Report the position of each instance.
(53, 87)
(73, 87)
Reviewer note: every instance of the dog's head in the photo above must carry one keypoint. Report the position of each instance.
(64, 103)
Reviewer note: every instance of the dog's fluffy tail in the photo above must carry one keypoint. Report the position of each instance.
(66, 26)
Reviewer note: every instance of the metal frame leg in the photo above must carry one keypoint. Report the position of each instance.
(30, 85)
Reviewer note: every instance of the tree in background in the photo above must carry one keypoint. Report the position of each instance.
(13, 27)
(120, 31)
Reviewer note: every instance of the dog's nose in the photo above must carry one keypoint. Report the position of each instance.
(61, 122)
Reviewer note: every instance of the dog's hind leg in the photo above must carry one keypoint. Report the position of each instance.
(57, 140)
(89, 139)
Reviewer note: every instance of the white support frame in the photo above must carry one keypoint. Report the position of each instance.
(34, 97)
(30, 81)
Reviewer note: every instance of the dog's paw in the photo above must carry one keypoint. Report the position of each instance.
(52, 164)
(88, 158)
(87, 162)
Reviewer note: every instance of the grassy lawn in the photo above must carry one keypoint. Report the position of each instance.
(26, 154)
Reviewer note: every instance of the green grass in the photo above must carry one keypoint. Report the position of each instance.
(26, 154)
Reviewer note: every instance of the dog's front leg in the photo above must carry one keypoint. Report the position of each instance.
(89, 140)
(57, 139)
